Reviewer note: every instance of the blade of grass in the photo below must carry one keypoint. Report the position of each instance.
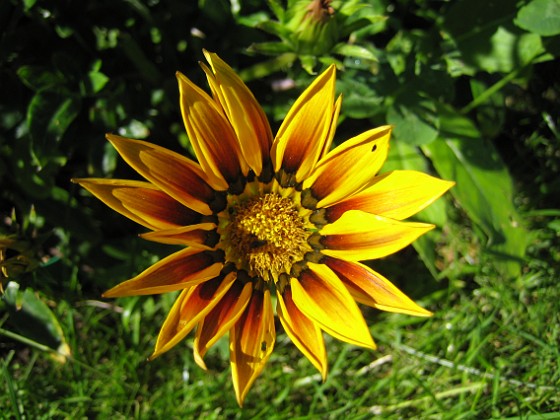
(11, 386)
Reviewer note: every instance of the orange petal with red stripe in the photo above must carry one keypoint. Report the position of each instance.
(251, 341)
(211, 135)
(301, 138)
(202, 235)
(242, 110)
(320, 295)
(372, 289)
(178, 271)
(396, 195)
(191, 306)
(359, 236)
(221, 319)
(171, 172)
(349, 167)
(141, 202)
(303, 332)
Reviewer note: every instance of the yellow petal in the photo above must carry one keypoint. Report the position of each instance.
(251, 341)
(303, 332)
(372, 289)
(302, 136)
(242, 110)
(180, 270)
(202, 235)
(210, 134)
(191, 306)
(349, 167)
(332, 129)
(360, 236)
(320, 295)
(141, 202)
(178, 176)
(221, 319)
(396, 195)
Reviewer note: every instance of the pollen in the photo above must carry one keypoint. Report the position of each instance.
(265, 236)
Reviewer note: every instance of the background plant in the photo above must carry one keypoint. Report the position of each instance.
(474, 97)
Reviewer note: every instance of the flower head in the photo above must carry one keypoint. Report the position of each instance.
(261, 216)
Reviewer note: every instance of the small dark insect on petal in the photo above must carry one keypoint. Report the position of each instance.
(374, 148)
(263, 346)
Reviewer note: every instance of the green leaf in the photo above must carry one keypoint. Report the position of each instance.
(359, 99)
(34, 319)
(354, 51)
(95, 80)
(541, 17)
(509, 49)
(137, 56)
(483, 187)
(275, 28)
(39, 77)
(49, 115)
(489, 41)
(490, 114)
(29, 4)
(269, 48)
(277, 9)
(252, 20)
(415, 119)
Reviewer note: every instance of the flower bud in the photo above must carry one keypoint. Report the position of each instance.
(313, 26)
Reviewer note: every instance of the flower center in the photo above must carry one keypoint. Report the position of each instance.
(265, 236)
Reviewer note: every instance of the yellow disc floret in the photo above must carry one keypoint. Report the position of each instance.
(265, 235)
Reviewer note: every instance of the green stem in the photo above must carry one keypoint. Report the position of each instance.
(484, 96)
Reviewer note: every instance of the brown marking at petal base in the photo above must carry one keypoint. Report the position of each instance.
(308, 199)
(283, 282)
(237, 186)
(286, 178)
(267, 173)
(298, 268)
(314, 257)
(316, 241)
(319, 218)
(218, 202)
(212, 238)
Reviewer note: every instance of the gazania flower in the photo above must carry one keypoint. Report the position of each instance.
(261, 217)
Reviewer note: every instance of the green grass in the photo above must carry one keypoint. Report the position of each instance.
(490, 350)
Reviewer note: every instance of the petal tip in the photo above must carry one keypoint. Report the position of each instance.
(181, 78)
(110, 136)
(115, 139)
(107, 294)
(370, 344)
(114, 292)
(424, 313)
